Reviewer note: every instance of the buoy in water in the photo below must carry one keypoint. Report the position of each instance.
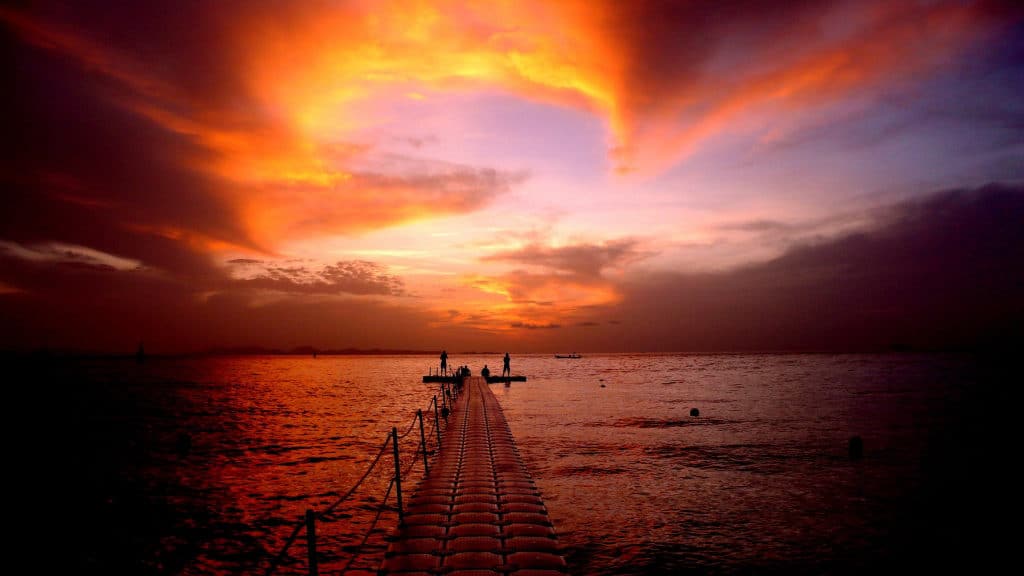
(694, 412)
(602, 385)
(445, 412)
(856, 448)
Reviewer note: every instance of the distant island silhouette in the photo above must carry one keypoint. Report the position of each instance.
(308, 351)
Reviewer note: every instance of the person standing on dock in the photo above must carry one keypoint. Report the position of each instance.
(444, 362)
(507, 369)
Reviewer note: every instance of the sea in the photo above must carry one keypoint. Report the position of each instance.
(648, 463)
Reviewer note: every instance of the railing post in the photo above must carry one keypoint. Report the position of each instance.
(398, 475)
(437, 425)
(423, 442)
(311, 542)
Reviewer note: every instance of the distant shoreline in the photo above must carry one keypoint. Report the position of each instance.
(242, 351)
(308, 351)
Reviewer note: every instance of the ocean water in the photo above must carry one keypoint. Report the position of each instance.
(205, 465)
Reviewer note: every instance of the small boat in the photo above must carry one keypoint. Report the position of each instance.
(573, 355)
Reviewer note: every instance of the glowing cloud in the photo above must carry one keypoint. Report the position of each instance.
(298, 80)
(68, 254)
(174, 140)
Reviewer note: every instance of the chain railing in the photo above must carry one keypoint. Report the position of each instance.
(441, 410)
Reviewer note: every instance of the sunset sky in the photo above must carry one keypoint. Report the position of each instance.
(532, 176)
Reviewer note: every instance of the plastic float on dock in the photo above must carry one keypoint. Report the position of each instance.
(478, 510)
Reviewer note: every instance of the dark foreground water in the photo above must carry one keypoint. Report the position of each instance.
(203, 465)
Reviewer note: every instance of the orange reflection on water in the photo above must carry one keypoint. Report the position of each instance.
(235, 450)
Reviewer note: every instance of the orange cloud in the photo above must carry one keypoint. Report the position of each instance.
(265, 154)
(281, 87)
(665, 76)
(563, 284)
(523, 300)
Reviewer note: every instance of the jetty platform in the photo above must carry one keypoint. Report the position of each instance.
(492, 379)
(477, 511)
(438, 378)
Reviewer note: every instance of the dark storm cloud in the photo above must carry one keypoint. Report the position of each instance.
(941, 271)
(110, 312)
(79, 169)
(78, 159)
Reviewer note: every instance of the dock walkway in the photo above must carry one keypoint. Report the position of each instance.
(477, 511)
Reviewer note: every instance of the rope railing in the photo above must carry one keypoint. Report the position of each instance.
(409, 429)
(412, 463)
(430, 434)
(284, 549)
(402, 470)
(352, 490)
(380, 510)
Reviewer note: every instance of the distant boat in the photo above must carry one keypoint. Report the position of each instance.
(573, 355)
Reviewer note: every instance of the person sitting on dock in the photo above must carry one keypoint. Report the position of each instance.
(508, 365)
(486, 372)
(444, 362)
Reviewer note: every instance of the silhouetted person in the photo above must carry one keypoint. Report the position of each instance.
(444, 362)
(507, 368)
(486, 372)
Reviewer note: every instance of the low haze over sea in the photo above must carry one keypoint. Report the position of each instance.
(203, 465)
